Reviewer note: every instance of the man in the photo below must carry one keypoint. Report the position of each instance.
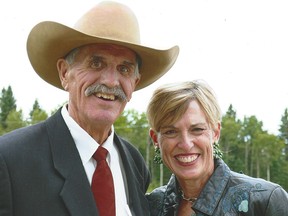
(48, 168)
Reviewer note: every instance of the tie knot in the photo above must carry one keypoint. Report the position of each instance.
(100, 154)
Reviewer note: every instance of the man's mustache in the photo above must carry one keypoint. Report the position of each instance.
(100, 88)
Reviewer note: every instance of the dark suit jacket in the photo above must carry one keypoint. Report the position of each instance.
(41, 173)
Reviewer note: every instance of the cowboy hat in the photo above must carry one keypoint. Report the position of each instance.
(107, 22)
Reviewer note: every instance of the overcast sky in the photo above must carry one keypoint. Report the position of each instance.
(239, 47)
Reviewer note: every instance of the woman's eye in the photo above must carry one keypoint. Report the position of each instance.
(170, 133)
(197, 131)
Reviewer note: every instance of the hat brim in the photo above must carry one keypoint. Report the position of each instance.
(48, 41)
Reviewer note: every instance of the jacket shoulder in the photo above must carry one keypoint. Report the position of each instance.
(257, 195)
(156, 199)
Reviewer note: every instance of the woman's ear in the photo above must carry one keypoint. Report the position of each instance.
(154, 137)
(217, 132)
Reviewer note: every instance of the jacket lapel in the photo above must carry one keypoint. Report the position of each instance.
(76, 192)
(135, 181)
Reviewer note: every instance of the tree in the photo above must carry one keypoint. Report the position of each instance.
(230, 142)
(14, 120)
(133, 126)
(7, 104)
(36, 106)
(284, 126)
(37, 114)
(268, 148)
(250, 128)
(284, 131)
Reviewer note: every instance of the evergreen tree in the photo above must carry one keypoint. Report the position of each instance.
(7, 104)
(14, 120)
(35, 107)
(229, 140)
(284, 126)
(37, 114)
(231, 113)
(284, 131)
(250, 128)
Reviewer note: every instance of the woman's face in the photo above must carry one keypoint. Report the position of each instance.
(186, 146)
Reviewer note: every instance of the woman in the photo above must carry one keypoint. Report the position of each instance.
(185, 120)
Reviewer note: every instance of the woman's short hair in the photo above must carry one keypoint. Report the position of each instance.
(169, 102)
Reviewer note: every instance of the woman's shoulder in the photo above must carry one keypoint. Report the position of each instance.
(157, 193)
(156, 199)
(253, 182)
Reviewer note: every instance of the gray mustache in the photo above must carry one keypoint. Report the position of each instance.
(100, 88)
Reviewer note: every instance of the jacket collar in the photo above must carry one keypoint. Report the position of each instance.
(76, 192)
(209, 195)
(135, 181)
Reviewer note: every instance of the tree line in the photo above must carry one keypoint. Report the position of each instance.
(246, 147)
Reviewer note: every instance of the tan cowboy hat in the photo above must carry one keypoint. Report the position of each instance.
(108, 22)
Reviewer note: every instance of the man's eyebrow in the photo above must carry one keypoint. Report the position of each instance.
(97, 57)
(133, 64)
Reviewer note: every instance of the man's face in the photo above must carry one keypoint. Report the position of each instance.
(110, 66)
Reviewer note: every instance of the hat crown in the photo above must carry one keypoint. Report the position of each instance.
(107, 22)
(110, 20)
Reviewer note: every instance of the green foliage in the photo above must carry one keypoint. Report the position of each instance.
(284, 126)
(248, 148)
(230, 141)
(133, 127)
(37, 114)
(245, 145)
(7, 104)
(14, 120)
(284, 131)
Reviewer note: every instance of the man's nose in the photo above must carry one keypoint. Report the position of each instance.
(110, 77)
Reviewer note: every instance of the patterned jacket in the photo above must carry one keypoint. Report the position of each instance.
(226, 193)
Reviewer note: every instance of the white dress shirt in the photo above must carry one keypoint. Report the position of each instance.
(86, 146)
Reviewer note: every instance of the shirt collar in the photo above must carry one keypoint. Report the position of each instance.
(85, 144)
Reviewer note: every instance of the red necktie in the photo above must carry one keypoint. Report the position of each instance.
(102, 184)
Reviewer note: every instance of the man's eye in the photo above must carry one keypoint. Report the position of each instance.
(96, 64)
(123, 69)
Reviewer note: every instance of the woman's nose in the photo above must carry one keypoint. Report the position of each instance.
(186, 141)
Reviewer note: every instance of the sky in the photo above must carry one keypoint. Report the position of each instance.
(240, 48)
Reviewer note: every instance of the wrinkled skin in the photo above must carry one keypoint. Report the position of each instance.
(110, 65)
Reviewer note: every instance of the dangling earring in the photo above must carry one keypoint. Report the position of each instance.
(217, 153)
(157, 157)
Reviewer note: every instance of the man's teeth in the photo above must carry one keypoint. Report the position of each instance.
(187, 159)
(105, 96)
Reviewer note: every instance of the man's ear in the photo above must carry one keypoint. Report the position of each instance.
(154, 137)
(62, 67)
